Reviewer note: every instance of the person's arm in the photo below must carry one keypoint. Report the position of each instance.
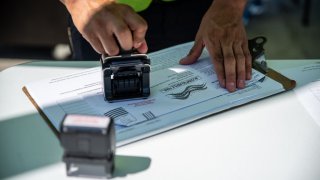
(223, 34)
(104, 22)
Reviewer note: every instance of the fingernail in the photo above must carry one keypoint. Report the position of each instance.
(241, 84)
(231, 86)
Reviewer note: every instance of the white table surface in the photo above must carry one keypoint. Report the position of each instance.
(274, 138)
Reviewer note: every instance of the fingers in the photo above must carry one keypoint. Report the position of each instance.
(237, 65)
(218, 62)
(139, 27)
(115, 27)
(240, 65)
(248, 60)
(194, 53)
(229, 67)
(123, 35)
(109, 43)
(231, 64)
(143, 48)
(95, 43)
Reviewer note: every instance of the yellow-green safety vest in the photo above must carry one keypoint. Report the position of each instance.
(138, 5)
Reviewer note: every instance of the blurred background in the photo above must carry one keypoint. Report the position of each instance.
(37, 29)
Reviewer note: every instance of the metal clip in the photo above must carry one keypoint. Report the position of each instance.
(257, 53)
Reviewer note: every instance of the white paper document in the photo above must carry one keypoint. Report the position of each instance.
(308, 87)
(179, 95)
(309, 96)
(304, 74)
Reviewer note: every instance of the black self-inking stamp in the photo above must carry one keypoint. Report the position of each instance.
(125, 76)
(88, 141)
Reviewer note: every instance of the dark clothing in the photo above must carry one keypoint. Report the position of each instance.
(169, 23)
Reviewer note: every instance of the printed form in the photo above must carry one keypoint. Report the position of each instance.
(179, 95)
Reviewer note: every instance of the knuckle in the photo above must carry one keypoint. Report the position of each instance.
(240, 56)
(248, 66)
(192, 51)
(229, 58)
(227, 41)
(238, 41)
(122, 30)
(249, 62)
(247, 54)
(144, 26)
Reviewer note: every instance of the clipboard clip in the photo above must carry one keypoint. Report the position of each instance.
(257, 53)
(259, 63)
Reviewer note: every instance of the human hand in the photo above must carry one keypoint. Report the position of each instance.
(222, 32)
(104, 22)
